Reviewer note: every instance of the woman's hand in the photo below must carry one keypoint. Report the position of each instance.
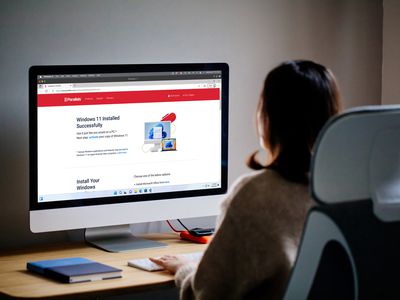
(170, 262)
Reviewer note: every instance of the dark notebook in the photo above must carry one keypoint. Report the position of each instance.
(74, 269)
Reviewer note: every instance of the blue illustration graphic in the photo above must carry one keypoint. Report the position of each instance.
(169, 144)
(157, 130)
(151, 132)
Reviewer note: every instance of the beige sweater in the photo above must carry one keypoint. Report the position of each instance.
(255, 245)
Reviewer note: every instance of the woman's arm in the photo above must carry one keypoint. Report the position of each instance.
(244, 252)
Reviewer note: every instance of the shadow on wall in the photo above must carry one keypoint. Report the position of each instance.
(341, 35)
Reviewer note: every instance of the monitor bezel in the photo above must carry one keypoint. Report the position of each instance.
(34, 71)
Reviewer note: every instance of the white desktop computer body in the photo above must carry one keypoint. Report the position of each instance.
(113, 145)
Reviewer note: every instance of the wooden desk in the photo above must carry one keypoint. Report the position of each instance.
(17, 282)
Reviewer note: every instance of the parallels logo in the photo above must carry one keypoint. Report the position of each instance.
(75, 99)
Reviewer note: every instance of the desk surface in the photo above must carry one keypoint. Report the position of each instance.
(16, 281)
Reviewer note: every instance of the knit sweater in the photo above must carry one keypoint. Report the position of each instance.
(255, 244)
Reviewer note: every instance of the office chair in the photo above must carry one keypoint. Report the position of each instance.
(350, 248)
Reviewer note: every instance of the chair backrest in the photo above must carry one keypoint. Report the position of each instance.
(357, 157)
(350, 245)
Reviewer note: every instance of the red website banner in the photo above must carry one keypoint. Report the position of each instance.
(128, 97)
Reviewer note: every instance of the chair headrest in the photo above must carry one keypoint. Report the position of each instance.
(357, 157)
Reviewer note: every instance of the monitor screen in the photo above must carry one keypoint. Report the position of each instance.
(114, 134)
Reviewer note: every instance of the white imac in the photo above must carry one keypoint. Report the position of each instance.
(113, 145)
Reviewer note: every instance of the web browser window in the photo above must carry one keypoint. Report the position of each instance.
(115, 134)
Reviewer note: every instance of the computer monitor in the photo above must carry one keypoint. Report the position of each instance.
(121, 144)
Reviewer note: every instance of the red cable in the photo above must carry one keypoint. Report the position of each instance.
(172, 227)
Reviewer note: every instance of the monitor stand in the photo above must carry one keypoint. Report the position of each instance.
(118, 239)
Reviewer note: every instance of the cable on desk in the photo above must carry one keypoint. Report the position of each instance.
(182, 224)
(172, 227)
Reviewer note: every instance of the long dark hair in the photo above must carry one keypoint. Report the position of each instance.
(298, 98)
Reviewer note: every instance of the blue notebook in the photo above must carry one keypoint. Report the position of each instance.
(74, 269)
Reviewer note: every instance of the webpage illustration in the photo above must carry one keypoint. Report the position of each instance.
(98, 139)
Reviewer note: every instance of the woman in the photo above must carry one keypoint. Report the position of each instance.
(259, 229)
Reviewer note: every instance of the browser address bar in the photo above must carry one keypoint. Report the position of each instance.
(74, 88)
(77, 90)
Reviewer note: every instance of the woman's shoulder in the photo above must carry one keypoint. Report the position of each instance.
(266, 179)
(253, 183)
(263, 189)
